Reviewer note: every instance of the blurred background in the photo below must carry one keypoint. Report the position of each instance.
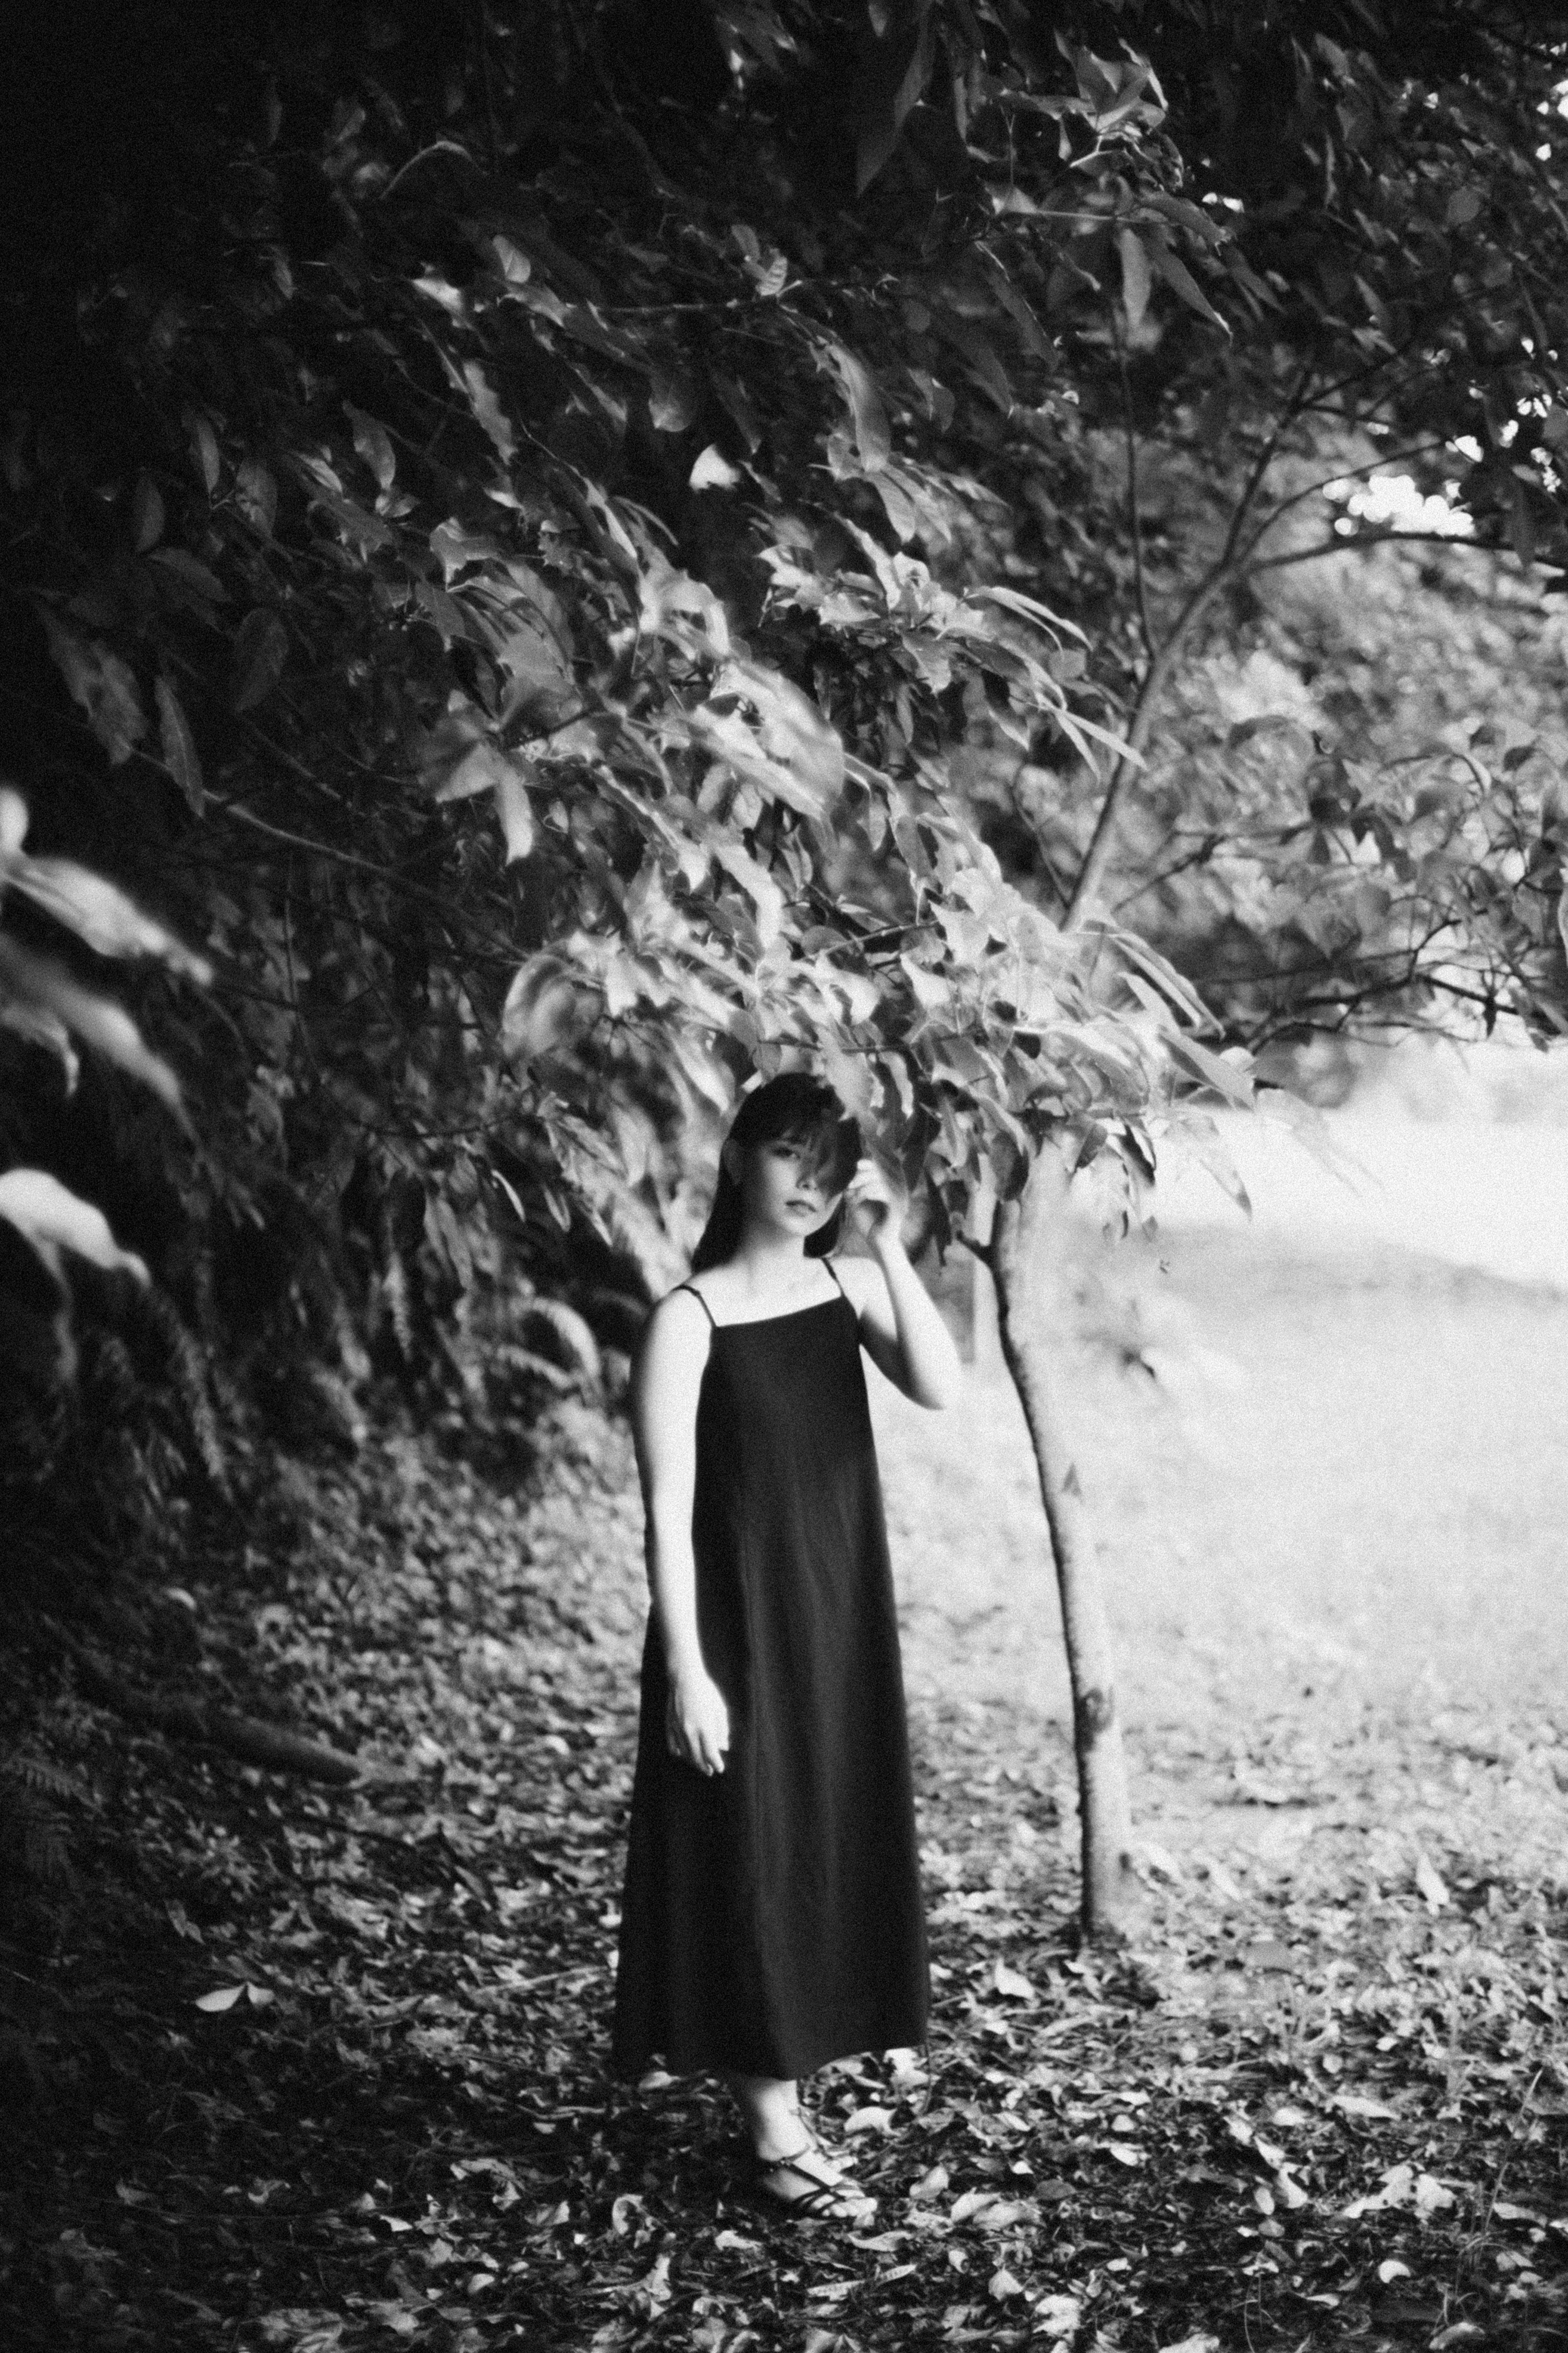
(1325, 1454)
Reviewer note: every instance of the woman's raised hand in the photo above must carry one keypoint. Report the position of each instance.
(697, 1721)
(874, 1203)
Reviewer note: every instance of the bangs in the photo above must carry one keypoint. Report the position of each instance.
(800, 1110)
(829, 1147)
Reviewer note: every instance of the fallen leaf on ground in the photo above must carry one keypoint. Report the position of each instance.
(1431, 1883)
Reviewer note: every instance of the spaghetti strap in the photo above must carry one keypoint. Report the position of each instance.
(833, 1270)
(696, 1295)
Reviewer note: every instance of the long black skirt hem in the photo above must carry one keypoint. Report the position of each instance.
(627, 2068)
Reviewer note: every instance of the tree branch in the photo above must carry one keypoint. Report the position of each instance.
(1134, 511)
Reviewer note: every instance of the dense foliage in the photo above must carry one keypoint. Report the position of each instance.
(545, 568)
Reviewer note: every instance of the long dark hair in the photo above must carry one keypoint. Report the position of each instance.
(794, 1108)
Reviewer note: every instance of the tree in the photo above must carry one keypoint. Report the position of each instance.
(528, 594)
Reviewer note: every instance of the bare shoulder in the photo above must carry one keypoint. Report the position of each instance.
(681, 1315)
(862, 1282)
(671, 1354)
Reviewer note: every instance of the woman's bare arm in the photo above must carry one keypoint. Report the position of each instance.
(901, 1328)
(665, 1384)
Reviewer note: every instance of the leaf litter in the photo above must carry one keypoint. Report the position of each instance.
(328, 2069)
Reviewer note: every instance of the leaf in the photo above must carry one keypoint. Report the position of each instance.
(222, 1998)
(1431, 1883)
(439, 291)
(54, 1219)
(795, 754)
(488, 411)
(1201, 2342)
(1057, 2315)
(1135, 279)
(868, 2120)
(541, 1009)
(102, 685)
(890, 80)
(178, 746)
(39, 999)
(515, 266)
(373, 444)
(672, 404)
(514, 809)
(1001, 2286)
(767, 897)
(712, 471)
(196, 585)
(964, 2207)
(1356, 2104)
(101, 914)
(1227, 1079)
(479, 770)
(146, 514)
(1004, 2214)
(872, 437)
(255, 495)
(1012, 1983)
(260, 650)
(1179, 278)
(983, 365)
(204, 448)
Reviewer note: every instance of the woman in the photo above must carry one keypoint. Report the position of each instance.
(772, 1919)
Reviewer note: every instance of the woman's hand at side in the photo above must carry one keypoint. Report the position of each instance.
(697, 1721)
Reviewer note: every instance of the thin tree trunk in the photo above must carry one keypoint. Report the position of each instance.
(1110, 1889)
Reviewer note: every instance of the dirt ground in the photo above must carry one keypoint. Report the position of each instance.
(325, 2070)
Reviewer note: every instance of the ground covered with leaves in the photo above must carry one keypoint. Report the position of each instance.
(314, 2068)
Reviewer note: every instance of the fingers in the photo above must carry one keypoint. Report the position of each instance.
(703, 1745)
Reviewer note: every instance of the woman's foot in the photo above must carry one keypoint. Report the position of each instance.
(806, 2181)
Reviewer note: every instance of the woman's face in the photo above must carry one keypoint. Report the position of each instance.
(783, 1188)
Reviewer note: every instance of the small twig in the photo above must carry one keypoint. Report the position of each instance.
(436, 147)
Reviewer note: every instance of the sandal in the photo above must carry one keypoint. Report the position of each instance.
(827, 2193)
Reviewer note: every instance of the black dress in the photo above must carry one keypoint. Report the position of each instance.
(771, 1918)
